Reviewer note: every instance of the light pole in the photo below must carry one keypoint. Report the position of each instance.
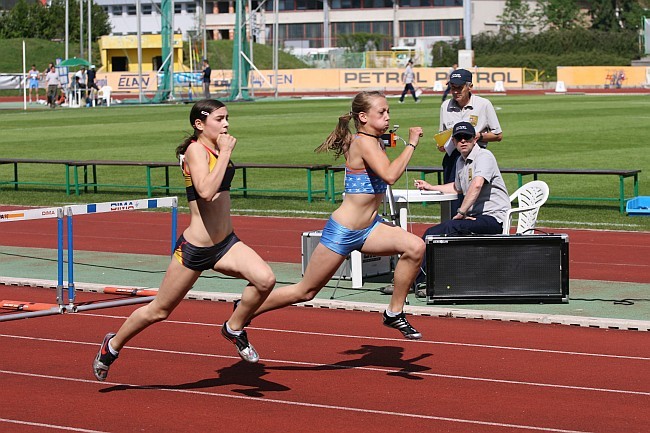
(466, 56)
(67, 27)
(81, 28)
(90, 6)
(205, 46)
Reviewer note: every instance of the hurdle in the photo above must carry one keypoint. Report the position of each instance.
(114, 206)
(32, 309)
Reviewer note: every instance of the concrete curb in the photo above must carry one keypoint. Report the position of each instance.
(555, 319)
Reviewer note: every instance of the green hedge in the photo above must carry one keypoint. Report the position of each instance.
(545, 51)
(548, 63)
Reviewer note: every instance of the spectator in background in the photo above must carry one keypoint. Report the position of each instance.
(76, 90)
(53, 86)
(408, 78)
(34, 75)
(82, 75)
(91, 85)
(448, 89)
(206, 78)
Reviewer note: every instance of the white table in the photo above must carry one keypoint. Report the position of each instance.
(403, 197)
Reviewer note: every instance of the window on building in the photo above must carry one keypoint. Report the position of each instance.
(346, 4)
(178, 8)
(156, 61)
(147, 8)
(452, 27)
(433, 28)
(130, 10)
(362, 27)
(302, 5)
(119, 64)
(190, 8)
(314, 31)
(382, 27)
(116, 9)
(411, 29)
(222, 7)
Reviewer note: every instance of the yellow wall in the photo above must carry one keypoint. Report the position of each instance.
(127, 46)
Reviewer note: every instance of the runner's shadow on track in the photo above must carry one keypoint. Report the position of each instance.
(376, 357)
(241, 374)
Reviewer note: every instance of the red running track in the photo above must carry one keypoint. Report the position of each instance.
(321, 371)
(594, 255)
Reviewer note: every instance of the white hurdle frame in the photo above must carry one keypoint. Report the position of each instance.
(82, 209)
(114, 206)
(34, 214)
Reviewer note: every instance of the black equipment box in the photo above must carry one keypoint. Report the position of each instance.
(497, 268)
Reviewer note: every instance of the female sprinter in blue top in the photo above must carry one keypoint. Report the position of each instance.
(356, 225)
(208, 243)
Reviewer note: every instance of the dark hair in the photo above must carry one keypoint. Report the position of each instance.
(339, 140)
(200, 110)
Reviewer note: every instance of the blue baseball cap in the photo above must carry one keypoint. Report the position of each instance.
(460, 76)
(464, 128)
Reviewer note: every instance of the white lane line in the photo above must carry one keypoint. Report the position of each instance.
(300, 403)
(444, 343)
(53, 426)
(373, 369)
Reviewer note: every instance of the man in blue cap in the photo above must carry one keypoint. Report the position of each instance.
(486, 200)
(465, 107)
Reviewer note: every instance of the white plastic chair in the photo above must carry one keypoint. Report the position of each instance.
(105, 95)
(530, 197)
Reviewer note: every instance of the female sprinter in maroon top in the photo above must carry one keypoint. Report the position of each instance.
(208, 243)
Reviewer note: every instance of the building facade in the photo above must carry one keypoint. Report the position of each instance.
(312, 23)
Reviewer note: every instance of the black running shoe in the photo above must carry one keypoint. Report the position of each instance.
(104, 359)
(234, 307)
(244, 348)
(400, 323)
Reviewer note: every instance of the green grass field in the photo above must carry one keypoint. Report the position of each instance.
(599, 132)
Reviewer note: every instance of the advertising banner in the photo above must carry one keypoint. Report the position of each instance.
(608, 77)
(305, 80)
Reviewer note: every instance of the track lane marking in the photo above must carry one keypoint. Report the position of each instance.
(54, 426)
(446, 343)
(300, 403)
(372, 369)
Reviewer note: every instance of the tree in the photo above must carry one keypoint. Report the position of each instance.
(559, 14)
(517, 17)
(16, 23)
(613, 15)
(43, 22)
(358, 42)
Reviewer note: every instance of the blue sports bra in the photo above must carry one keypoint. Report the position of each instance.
(363, 181)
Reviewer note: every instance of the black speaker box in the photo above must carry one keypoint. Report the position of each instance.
(497, 268)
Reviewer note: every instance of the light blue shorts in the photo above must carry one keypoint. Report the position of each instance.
(342, 240)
